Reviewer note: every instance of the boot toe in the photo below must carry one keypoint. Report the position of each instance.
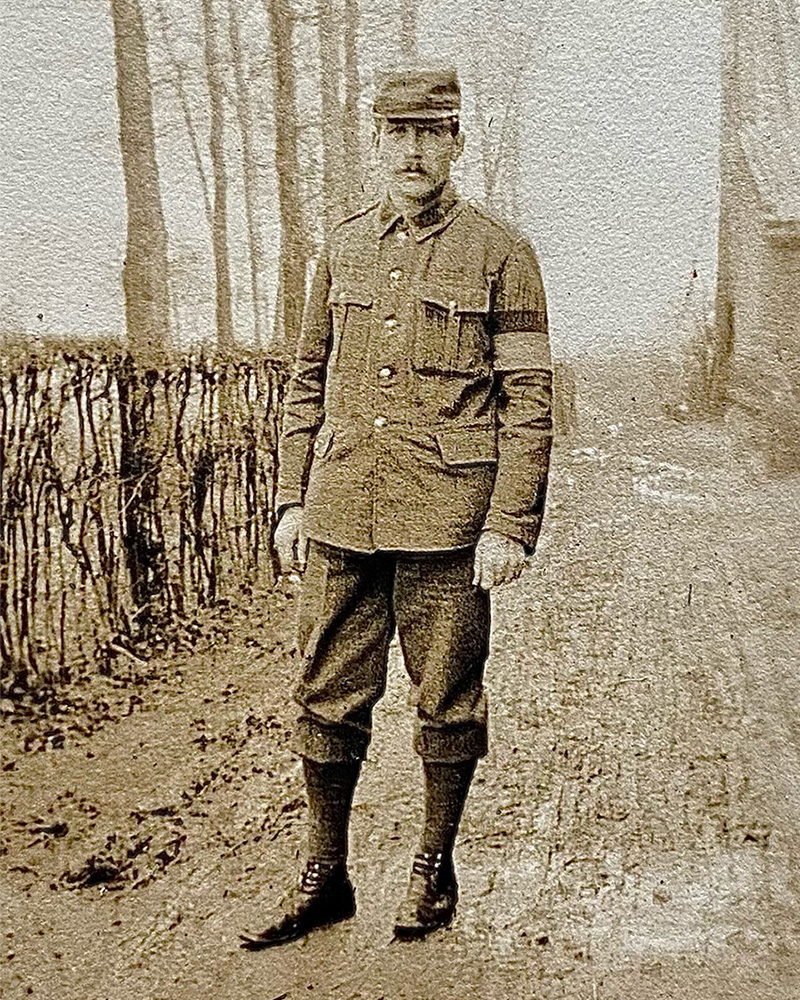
(431, 899)
(303, 911)
(418, 921)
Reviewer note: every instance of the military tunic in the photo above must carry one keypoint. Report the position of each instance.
(423, 383)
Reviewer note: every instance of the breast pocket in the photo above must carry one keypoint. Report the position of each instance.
(452, 334)
(351, 310)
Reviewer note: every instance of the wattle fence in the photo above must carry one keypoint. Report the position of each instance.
(130, 498)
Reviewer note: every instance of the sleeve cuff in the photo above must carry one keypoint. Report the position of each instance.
(524, 529)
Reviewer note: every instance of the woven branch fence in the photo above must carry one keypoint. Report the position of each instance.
(130, 498)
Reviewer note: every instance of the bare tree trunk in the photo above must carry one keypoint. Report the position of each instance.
(146, 269)
(183, 99)
(513, 172)
(488, 162)
(722, 355)
(219, 234)
(145, 280)
(294, 246)
(500, 139)
(332, 138)
(351, 125)
(250, 177)
(409, 28)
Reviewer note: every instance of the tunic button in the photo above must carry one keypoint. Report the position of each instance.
(402, 235)
(391, 323)
(380, 421)
(396, 274)
(385, 372)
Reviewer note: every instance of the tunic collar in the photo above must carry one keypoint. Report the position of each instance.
(433, 218)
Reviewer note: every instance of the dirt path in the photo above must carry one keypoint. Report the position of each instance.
(633, 833)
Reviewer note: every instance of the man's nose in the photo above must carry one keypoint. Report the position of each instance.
(413, 141)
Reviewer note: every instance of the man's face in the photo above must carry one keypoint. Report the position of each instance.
(415, 157)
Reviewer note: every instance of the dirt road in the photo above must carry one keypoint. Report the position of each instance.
(635, 831)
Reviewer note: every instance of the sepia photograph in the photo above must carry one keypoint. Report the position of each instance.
(399, 499)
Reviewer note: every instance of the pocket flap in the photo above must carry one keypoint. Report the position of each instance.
(468, 445)
(349, 296)
(457, 300)
(476, 300)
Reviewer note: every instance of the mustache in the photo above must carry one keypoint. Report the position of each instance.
(412, 168)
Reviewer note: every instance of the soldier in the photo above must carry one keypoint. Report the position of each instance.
(412, 476)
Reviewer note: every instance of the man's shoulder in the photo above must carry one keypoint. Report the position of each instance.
(504, 238)
(364, 216)
(354, 234)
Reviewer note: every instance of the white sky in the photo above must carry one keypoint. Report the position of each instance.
(619, 155)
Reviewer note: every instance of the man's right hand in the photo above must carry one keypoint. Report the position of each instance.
(291, 541)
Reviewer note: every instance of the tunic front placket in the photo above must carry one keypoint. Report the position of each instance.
(389, 369)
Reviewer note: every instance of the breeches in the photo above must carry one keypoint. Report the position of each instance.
(350, 605)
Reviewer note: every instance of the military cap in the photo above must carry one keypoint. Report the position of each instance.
(421, 92)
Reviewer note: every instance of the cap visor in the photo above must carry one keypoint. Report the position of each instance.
(422, 115)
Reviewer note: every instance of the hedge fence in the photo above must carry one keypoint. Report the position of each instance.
(131, 496)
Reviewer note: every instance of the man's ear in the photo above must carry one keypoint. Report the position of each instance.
(458, 147)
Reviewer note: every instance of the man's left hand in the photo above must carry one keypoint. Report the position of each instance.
(498, 559)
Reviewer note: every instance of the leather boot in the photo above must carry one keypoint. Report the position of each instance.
(430, 902)
(324, 896)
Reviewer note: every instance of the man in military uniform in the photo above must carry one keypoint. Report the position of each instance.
(413, 468)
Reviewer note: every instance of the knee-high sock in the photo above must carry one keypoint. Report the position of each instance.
(330, 790)
(446, 788)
